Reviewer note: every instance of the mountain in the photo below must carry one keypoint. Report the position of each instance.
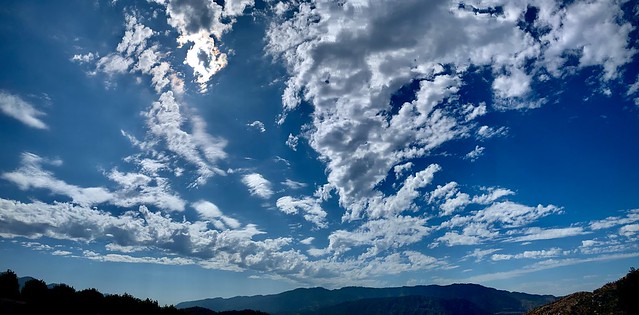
(23, 280)
(403, 305)
(619, 297)
(314, 300)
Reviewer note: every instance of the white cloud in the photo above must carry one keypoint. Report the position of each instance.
(311, 209)
(291, 184)
(401, 168)
(489, 222)
(403, 199)
(114, 64)
(479, 254)
(207, 209)
(535, 234)
(200, 23)
(257, 125)
(594, 29)
(14, 106)
(210, 212)
(631, 217)
(258, 185)
(629, 230)
(31, 175)
(475, 153)
(377, 236)
(84, 58)
(137, 189)
(451, 199)
(307, 241)
(347, 60)
(516, 84)
(485, 132)
(292, 141)
(529, 254)
(164, 120)
(133, 188)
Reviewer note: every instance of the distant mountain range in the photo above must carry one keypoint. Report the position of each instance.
(455, 299)
(619, 297)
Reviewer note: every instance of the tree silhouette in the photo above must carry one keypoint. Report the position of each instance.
(9, 286)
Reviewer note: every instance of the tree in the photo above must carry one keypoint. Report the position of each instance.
(9, 286)
(34, 291)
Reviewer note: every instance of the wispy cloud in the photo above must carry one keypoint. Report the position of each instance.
(258, 185)
(16, 107)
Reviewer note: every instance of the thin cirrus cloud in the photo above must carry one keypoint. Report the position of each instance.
(16, 107)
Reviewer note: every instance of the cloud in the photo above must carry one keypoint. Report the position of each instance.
(209, 211)
(14, 106)
(475, 153)
(485, 132)
(542, 265)
(629, 230)
(631, 217)
(258, 185)
(114, 64)
(137, 189)
(192, 241)
(489, 222)
(307, 241)
(347, 59)
(310, 208)
(134, 188)
(84, 58)
(401, 168)
(535, 234)
(529, 254)
(451, 199)
(31, 175)
(377, 236)
(479, 254)
(199, 23)
(257, 125)
(291, 184)
(164, 121)
(292, 141)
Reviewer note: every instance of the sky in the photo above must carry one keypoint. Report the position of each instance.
(180, 150)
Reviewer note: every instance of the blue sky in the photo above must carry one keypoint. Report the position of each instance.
(182, 150)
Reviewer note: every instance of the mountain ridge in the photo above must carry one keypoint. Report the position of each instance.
(306, 300)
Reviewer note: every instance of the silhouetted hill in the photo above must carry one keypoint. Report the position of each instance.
(405, 305)
(619, 297)
(302, 301)
(205, 311)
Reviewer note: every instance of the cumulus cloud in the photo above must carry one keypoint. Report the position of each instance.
(258, 185)
(475, 153)
(309, 207)
(377, 236)
(292, 141)
(257, 125)
(14, 106)
(209, 211)
(199, 24)
(490, 222)
(347, 59)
